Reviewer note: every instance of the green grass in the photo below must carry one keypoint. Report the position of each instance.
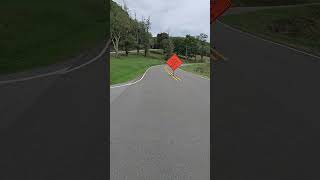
(193, 60)
(270, 2)
(38, 33)
(205, 58)
(124, 69)
(298, 27)
(202, 69)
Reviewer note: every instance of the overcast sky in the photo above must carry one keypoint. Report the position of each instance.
(178, 17)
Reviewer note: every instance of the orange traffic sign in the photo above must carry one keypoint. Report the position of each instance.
(174, 62)
(217, 8)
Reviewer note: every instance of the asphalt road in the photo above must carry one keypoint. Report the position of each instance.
(239, 10)
(160, 128)
(265, 108)
(55, 127)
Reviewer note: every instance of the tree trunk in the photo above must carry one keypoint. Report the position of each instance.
(115, 46)
(115, 42)
(137, 41)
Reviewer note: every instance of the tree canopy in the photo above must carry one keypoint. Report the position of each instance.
(129, 33)
(126, 32)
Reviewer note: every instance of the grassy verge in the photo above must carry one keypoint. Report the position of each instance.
(202, 69)
(37, 33)
(195, 60)
(124, 68)
(298, 27)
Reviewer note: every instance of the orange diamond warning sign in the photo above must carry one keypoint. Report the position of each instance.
(174, 62)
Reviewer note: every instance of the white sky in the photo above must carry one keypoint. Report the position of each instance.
(178, 17)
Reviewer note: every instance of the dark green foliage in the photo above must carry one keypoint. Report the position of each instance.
(128, 33)
(37, 33)
(160, 37)
(179, 46)
(297, 26)
(191, 46)
(168, 48)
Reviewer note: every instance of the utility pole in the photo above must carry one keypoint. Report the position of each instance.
(186, 53)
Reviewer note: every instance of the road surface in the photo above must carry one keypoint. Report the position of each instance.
(55, 127)
(160, 128)
(265, 109)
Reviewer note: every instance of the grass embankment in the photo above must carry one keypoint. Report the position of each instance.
(271, 2)
(298, 27)
(124, 69)
(202, 69)
(37, 33)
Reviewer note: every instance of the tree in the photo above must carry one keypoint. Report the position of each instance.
(119, 25)
(160, 38)
(168, 48)
(203, 45)
(152, 43)
(126, 32)
(128, 43)
(128, 40)
(138, 33)
(146, 35)
(179, 45)
(190, 46)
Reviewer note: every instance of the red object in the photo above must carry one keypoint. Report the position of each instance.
(174, 62)
(217, 8)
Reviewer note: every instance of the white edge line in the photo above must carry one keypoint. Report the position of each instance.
(129, 84)
(92, 60)
(61, 71)
(272, 42)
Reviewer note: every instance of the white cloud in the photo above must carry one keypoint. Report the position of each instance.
(178, 17)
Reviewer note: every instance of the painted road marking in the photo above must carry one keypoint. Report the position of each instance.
(217, 53)
(132, 83)
(104, 50)
(61, 71)
(171, 74)
(178, 78)
(128, 84)
(166, 69)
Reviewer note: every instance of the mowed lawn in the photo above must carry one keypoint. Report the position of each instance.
(124, 69)
(38, 33)
(202, 69)
(298, 27)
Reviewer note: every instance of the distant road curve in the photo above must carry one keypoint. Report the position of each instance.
(62, 70)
